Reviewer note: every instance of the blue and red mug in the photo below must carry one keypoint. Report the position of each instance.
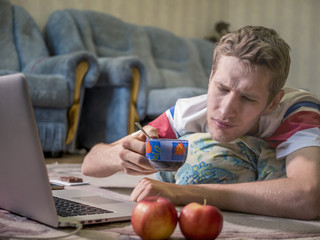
(166, 154)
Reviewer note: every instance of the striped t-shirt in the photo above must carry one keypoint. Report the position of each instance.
(294, 124)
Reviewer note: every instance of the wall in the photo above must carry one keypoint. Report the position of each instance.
(297, 21)
(183, 17)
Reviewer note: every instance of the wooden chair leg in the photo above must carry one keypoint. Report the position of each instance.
(74, 111)
(133, 114)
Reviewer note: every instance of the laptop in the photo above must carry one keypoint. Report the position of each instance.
(24, 184)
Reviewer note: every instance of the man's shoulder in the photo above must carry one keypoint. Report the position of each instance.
(297, 100)
(190, 106)
(294, 95)
(294, 102)
(190, 115)
(294, 124)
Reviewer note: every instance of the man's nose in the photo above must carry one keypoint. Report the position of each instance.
(229, 106)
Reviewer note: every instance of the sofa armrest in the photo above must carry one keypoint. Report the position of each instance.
(117, 71)
(66, 65)
(126, 71)
(79, 70)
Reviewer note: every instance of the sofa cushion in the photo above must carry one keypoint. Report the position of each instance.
(159, 100)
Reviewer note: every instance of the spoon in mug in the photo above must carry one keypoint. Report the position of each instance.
(142, 130)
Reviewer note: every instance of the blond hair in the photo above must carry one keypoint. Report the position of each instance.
(257, 46)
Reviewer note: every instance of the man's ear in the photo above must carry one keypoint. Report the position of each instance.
(274, 103)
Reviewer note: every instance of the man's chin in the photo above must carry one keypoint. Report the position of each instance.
(222, 139)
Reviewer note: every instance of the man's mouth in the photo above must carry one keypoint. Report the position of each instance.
(223, 124)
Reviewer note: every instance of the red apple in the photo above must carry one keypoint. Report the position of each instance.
(154, 218)
(200, 222)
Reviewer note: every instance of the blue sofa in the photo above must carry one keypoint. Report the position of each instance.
(56, 83)
(144, 70)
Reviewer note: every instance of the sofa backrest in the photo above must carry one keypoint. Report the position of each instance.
(178, 59)
(170, 60)
(21, 40)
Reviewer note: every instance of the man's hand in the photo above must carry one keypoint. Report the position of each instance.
(127, 154)
(151, 187)
(132, 156)
(133, 151)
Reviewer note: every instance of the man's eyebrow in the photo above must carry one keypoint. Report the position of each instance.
(220, 84)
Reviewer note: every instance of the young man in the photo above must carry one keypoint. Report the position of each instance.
(245, 97)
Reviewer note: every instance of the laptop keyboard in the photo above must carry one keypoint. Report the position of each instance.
(67, 208)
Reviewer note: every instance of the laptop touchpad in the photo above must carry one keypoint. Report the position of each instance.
(97, 200)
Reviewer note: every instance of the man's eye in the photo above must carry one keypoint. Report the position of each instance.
(223, 89)
(248, 99)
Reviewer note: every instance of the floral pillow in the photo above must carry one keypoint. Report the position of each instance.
(245, 159)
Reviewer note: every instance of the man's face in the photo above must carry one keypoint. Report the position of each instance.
(237, 98)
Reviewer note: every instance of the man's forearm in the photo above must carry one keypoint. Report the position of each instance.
(281, 197)
(101, 161)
